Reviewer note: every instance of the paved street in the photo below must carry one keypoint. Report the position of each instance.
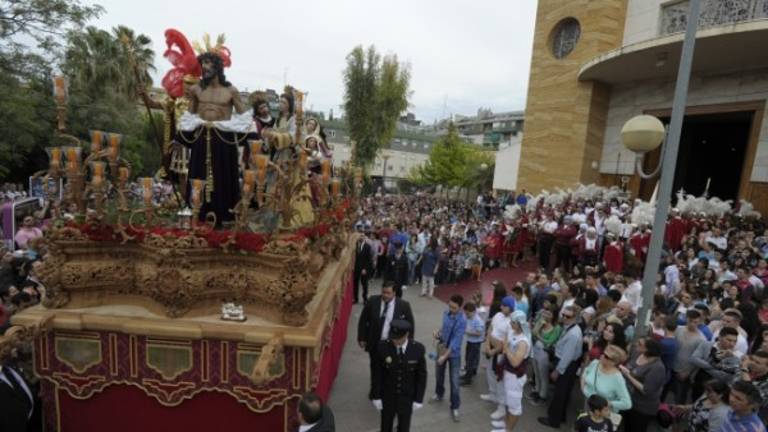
(354, 412)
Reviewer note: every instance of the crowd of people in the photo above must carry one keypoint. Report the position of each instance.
(702, 365)
(12, 192)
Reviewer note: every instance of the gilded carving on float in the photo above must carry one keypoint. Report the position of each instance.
(80, 387)
(264, 365)
(79, 352)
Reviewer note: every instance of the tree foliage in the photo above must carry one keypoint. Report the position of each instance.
(376, 94)
(106, 70)
(454, 163)
(30, 31)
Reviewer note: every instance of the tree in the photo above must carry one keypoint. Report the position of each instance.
(106, 70)
(454, 163)
(376, 92)
(30, 31)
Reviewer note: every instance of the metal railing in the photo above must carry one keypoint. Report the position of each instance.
(714, 13)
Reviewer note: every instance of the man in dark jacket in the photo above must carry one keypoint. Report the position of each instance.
(363, 266)
(400, 378)
(314, 415)
(397, 269)
(16, 401)
(376, 321)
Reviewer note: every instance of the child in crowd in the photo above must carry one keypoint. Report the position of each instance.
(598, 417)
(467, 274)
(475, 336)
(458, 266)
(476, 263)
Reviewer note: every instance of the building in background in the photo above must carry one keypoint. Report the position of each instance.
(487, 129)
(491, 129)
(407, 150)
(598, 63)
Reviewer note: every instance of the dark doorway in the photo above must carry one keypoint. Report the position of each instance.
(712, 149)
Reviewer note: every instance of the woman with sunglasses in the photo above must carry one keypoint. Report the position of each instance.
(603, 377)
(646, 375)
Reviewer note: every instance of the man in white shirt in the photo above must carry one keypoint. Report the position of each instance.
(633, 293)
(672, 277)
(717, 239)
(731, 318)
(497, 334)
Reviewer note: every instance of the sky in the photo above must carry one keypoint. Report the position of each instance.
(463, 55)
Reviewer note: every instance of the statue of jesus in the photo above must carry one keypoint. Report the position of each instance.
(213, 133)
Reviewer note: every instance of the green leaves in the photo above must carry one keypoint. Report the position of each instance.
(30, 31)
(106, 71)
(376, 93)
(454, 163)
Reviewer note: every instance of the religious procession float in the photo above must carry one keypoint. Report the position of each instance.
(216, 305)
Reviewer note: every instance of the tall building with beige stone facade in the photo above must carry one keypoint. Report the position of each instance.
(597, 63)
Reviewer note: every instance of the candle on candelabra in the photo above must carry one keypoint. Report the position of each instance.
(123, 174)
(255, 149)
(114, 146)
(261, 167)
(73, 159)
(326, 170)
(302, 159)
(299, 102)
(197, 190)
(60, 88)
(358, 175)
(54, 154)
(249, 177)
(96, 139)
(97, 174)
(146, 186)
(335, 187)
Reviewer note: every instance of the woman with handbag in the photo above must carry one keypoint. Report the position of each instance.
(604, 378)
(646, 375)
(516, 350)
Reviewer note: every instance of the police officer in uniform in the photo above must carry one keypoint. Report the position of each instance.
(400, 377)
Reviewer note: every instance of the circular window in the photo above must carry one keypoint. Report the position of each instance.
(565, 36)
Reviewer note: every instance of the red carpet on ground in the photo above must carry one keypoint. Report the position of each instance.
(467, 288)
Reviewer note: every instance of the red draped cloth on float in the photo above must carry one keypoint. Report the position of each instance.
(329, 364)
(123, 407)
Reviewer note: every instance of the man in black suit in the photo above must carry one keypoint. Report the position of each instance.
(400, 378)
(314, 415)
(397, 269)
(16, 401)
(363, 266)
(376, 321)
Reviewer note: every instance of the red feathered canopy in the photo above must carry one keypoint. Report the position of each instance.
(184, 61)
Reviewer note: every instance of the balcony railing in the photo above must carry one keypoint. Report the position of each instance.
(674, 17)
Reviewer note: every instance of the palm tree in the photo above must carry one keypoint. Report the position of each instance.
(92, 61)
(100, 62)
(136, 51)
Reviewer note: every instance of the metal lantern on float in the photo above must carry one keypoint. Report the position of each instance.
(184, 217)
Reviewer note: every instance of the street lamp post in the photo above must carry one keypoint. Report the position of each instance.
(634, 129)
(384, 172)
